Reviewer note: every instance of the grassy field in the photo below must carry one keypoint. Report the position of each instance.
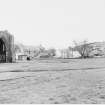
(55, 81)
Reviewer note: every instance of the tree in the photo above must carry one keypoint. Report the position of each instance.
(71, 50)
(41, 49)
(84, 48)
(17, 48)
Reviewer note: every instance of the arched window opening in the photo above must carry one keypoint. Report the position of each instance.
(2, 51)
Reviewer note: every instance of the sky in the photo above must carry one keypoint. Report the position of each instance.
(53, 23)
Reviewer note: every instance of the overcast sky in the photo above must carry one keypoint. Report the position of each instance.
(53, 23)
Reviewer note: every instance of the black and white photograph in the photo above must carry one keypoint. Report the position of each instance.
(52, 51)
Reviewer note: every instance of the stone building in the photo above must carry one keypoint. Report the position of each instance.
(6, 47)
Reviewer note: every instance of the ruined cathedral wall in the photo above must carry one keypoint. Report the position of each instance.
(8, 39)
(12, 49)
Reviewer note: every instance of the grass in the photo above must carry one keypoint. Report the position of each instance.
(53, 81)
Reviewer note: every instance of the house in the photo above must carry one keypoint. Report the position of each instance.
(98, 49)
(22, 57)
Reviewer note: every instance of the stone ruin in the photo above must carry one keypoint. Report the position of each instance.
(7, 53)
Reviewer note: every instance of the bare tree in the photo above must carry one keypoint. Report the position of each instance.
(41, 49)
(17, 48)
(84, 48)
(71, 50)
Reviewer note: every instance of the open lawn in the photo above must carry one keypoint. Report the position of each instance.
(55, 81)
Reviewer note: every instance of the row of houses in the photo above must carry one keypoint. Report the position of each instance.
(27, 52)
(98, 50)
(23, 52)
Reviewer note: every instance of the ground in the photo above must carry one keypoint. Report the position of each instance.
(53, 81)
